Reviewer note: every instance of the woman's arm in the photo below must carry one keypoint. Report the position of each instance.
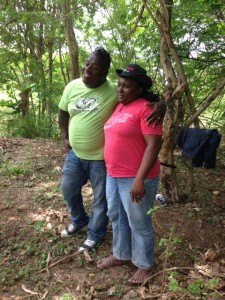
(149, 158)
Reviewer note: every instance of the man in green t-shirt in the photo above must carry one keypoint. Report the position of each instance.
(85, 106)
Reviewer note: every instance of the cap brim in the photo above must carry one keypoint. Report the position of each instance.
(147, 82)
(134, 77)
(120, 74)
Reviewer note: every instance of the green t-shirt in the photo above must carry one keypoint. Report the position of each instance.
(89, 109)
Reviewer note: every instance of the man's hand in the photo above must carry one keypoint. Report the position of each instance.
(66, 144)
(158, 113)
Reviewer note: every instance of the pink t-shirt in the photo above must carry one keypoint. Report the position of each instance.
(124, 140)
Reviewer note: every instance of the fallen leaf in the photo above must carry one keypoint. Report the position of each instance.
(215, 193)
(87, 257)
(211, 254)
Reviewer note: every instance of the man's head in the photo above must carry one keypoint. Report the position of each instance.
(96, 68)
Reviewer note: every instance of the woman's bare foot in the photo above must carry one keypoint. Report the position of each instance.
(139, 276)
(110, 261)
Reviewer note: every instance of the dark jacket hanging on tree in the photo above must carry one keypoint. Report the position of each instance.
(199, 145)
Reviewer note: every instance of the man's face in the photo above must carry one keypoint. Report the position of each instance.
(93, 73)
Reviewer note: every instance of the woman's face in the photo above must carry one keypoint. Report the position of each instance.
(128, 90)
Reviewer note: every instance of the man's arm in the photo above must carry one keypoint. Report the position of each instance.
(63, 120)
(158, 113)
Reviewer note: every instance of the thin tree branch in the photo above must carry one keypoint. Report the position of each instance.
(202, 60)
(137, 19)
(146, 4)
(209, 99)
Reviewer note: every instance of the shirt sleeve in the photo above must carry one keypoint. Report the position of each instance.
(63, 104)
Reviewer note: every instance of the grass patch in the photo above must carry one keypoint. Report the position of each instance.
(13, 170)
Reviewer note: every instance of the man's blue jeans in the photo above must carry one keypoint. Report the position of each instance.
(133, 235)
(75, 173)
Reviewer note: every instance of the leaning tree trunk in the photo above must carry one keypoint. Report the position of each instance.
(176, 85)
(172, 97)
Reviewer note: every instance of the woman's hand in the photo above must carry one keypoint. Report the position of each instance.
(137, 190)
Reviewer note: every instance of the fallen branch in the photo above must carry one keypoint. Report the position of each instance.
(165, 270)
(58, 262)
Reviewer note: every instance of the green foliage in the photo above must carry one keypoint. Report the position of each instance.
(39, 225)
(174, 285)
(62, 248)
(24, 272)
(173, 241)
(5, 277)
(12, 170)
(30, 35)
(213, 282)
(169, 244)
(80, 261)
(66, 297)
(152, 210)
(11, 107)
(197, 288)
(117, 290)
(198, 38)
(30, 127)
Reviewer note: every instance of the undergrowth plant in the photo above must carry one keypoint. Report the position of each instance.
(13, 170)
(198, 288)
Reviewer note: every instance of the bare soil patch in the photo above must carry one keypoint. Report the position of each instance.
(36, 263)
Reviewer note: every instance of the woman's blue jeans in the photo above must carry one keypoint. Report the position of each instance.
(75, 173)
(133, 235)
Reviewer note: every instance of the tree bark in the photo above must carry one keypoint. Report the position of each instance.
(176, 85)
(71, 41)
(24, 104)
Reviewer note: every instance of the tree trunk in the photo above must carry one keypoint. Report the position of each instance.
(71, 41)
(64, 75)
(172, 95)
(172, 98)
(24, 105)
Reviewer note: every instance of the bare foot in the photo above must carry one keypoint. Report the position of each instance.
(110, 261)
(139, 276)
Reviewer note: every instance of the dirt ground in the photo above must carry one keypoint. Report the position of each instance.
(35, 263)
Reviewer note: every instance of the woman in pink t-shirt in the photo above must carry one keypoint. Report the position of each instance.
(131, 156)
